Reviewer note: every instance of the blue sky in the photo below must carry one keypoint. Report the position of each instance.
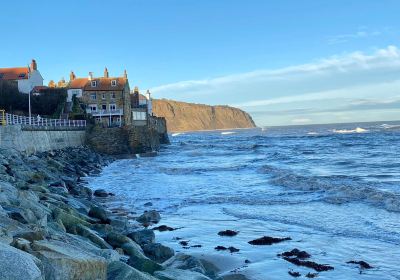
(285, 62)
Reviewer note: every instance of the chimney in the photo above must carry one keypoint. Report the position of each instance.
(136, 90)
(72, 76)
(90, 76)
(106, 72)
(33, 65)
(148, 96)
(125, 74)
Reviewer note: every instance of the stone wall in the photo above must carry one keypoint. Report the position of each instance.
(32, 140)
(128, 139)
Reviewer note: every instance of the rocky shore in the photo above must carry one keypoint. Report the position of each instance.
(52, 226)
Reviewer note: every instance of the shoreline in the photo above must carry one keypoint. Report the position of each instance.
(211, 130)
(51, 220)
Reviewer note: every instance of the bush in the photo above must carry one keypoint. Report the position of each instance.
(49, 103)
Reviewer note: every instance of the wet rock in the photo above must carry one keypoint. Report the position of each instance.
(184, 243)
(120, 271)
(187, 262)
(179, 274)
(16, 264)
(148, 204)
(309, 264)
(142, 237)
(149, 217)
(295, 253)
(99, 213)
(164, 228)
(311, 275)
(228, 233)
(231, 249)
(195, 246)
(362, 264)
(65, 261)
(267, 240)
(92, 236)
(144, 264)
(101, 193)
(294, 273)
(158, 252)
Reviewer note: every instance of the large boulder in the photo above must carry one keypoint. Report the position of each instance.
(121, 271)
(98, 213)
(158, 252)
(62, 261)
(179, 274)
(149, 217)
(16, 264)
(143, 237)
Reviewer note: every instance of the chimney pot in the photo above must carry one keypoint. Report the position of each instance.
(90, 76)
(33, 65)
(106, 72)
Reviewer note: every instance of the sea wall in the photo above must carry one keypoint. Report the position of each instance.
(182, 116)
(128, 139)
(39, 139)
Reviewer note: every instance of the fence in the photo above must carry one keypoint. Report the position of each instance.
(9, 119)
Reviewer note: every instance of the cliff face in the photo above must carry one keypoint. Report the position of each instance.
(183, 116)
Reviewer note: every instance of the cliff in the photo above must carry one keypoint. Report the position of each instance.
(182, 116)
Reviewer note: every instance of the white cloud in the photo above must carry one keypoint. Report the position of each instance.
(325, 84)
(360, 34)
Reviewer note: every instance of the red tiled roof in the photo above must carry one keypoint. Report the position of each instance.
(39, 88)
(16, 73)
(103, 84)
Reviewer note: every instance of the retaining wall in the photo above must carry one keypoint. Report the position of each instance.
(39, 139)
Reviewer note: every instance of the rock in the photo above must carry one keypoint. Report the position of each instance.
(231, 249)
(109, 255)
(295, 253)
(143, 237)
(149, 217)
(144, 264)
(21, 244)
(64, 261)
(24, 216)
(309, 264)
(92, 236)
(101, 193)
(179, 274)
(362, 264)
(158, 252)
(294, 273)
(16, 264)
(99, 213)
(68, 220)
(228, 233)
(164, 228)
(31, 235)
(148, 204)
(121, 271)
(267, 240)
(311, 275)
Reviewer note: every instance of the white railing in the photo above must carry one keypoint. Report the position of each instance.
(118, 112)
(10, 119)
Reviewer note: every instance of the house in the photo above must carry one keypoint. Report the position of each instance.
(27, 78)
(141, 107)
(106, 98)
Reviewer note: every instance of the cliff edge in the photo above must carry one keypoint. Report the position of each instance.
(182, 116)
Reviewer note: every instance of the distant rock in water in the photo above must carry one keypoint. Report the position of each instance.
(182, 116)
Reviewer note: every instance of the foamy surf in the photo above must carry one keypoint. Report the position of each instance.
(345, 131)
(227, 132)
(176, 134)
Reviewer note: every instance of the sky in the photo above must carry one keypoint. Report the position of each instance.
(285, 62)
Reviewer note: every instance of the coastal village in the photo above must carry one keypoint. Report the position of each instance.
(104, 102)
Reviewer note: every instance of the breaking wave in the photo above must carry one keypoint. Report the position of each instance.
(345, 131)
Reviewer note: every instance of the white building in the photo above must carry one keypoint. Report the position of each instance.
(26, 77)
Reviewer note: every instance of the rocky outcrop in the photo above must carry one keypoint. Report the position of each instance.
(183, 116)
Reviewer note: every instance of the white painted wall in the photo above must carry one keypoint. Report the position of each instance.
(71, 92)
(26, 85)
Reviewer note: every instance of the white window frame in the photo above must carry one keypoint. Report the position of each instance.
(112, 107)
(103, 96)
(93, 96)
(94, 84)
(113, 83)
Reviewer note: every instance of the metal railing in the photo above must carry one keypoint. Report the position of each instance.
(9, 119)
(97, 113)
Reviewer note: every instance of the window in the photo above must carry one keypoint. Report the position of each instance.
(113, 83)
(93, 107)
(104, 107)
(94, 83)
(22, 75)
(93, 96)
(113, 107)
(103, 96)
(112, 95)
(139, 116)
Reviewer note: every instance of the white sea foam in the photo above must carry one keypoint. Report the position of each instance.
(176, 134)
(390, 126)
(227, 132)
(345, 131)
(312, 133)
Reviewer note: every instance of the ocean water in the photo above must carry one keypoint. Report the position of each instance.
(334, 189)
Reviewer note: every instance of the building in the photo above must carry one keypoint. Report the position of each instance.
(27, 78)
(141, 107)
(106, 98)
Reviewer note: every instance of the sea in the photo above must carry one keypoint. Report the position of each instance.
(333, 189)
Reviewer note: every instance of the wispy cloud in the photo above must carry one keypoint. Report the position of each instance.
(325, 85)
(361, 34)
